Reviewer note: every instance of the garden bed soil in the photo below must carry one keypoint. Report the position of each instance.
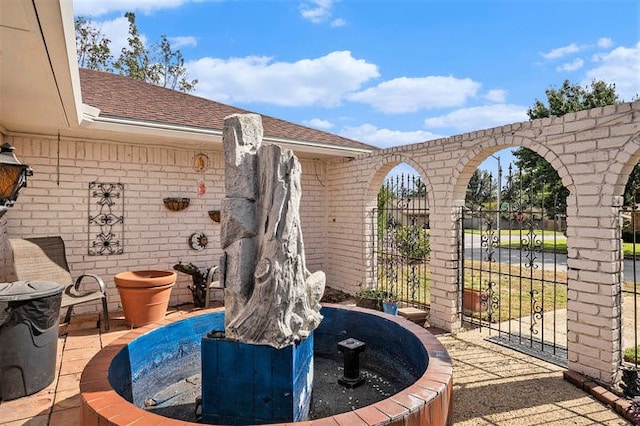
(332, 295)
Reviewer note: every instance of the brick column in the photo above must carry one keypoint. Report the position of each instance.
(444, 269)
(593, 306)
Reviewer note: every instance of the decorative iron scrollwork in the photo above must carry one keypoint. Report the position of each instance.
(413, 280)
(489, 241)
(105, 198)
(531, 245)
(490, 300)
(536, 311)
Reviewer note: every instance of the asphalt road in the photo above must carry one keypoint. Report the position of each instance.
(474, 251)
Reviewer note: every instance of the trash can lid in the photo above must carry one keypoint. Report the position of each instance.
(27, 290)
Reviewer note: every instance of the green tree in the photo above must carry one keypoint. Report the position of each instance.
(92, 46)
(538, 176)
(134, 60)
(160, 65)
(480, 190)
(170, 68)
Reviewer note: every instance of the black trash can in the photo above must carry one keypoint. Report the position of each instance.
(29, 320)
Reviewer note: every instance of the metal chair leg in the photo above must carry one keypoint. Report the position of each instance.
(106, 314)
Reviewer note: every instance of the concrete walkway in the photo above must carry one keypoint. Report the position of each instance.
(494, 385)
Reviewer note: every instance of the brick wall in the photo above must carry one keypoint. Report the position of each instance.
(593, 151)
(56, 202)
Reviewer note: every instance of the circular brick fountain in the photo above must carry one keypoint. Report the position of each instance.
(111, 382)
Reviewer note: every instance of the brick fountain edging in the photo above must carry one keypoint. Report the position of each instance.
(427, 401)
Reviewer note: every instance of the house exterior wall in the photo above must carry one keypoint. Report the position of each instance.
(593, 151)
(56, 202)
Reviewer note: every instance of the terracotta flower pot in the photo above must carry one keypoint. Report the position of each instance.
(144, 295)
(474, 300)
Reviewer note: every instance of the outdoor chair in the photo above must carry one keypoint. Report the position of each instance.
(44, 259)
(211, 284)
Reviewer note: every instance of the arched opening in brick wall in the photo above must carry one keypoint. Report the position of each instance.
(630, 254)
(399, 243)
(513, 252)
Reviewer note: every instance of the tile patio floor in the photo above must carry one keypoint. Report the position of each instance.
(492, 385)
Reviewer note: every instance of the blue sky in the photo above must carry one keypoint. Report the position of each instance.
(388, 73)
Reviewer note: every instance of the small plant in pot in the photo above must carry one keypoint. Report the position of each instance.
(390, 301)
(370, 298)
(390, 304)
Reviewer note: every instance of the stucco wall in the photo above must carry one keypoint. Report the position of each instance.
(56, 202)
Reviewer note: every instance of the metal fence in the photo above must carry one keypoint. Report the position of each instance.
(629, 381)
(401, 246)
(513, 278)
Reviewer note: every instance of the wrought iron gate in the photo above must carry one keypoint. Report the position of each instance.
(513, 278)
(401, 240)
(630, 295)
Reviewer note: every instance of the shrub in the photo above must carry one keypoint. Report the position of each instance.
(631, 353)
(412, 242)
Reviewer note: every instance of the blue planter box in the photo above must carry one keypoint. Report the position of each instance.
(255, 384)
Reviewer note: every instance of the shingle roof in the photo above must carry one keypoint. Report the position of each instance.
(123, 97)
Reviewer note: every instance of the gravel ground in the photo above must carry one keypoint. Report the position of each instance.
(498, 386)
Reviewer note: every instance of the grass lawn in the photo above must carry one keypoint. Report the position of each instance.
(516, 288)
(551, 240)
(512, 287)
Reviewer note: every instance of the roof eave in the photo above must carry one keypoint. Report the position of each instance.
(164, 131)
(58, 33)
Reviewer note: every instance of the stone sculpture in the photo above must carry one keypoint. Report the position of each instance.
(270, 296)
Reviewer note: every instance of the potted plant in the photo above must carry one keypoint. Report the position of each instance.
(370, 298)
(390, 301)
(475, 300)
(390, 304)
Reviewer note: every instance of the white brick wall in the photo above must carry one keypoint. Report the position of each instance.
(593, 151)
(154, 237)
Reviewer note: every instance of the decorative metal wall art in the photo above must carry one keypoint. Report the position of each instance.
(106, 227)
(201, 163)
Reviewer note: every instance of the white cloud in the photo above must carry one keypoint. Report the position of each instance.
(605, 42)
(319, 11)
(316, 11)
(117, 31)
(182, 41)
(561, 51)
(101, 7)
(621, 66)
(574, 65)
(338, 22)
(384, 138)
(406, 94)
(318, 123)
(320, 81)
(496, 95)
(482, 117)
